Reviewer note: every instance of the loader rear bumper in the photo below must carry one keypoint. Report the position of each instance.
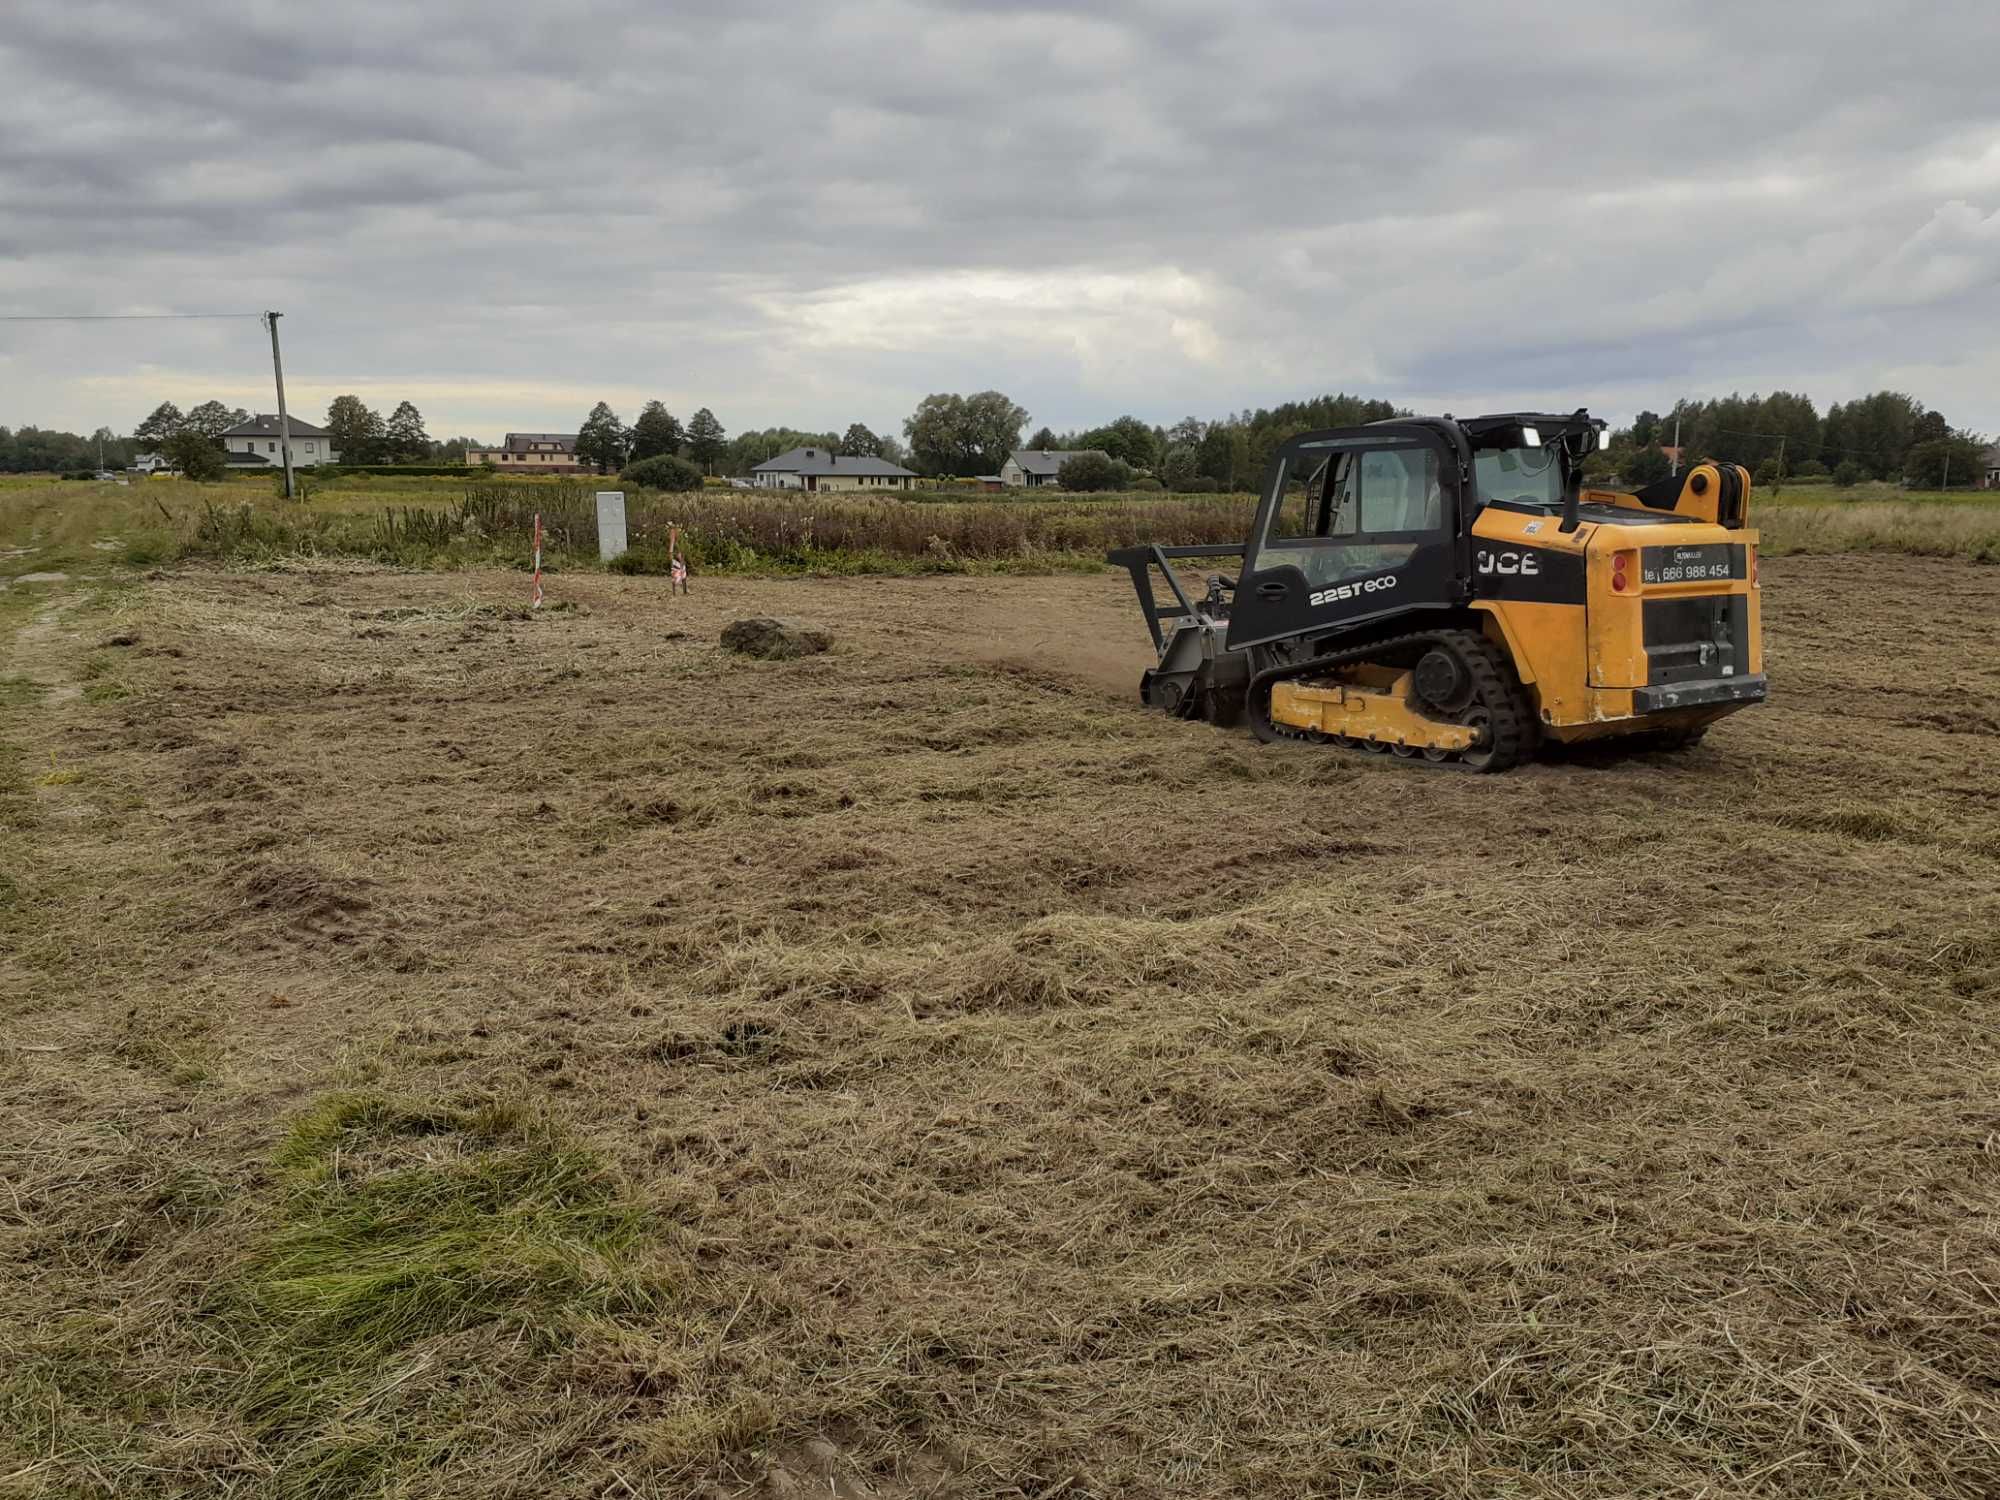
(1670, 696)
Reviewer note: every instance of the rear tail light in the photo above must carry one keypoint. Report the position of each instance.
(1621, 572)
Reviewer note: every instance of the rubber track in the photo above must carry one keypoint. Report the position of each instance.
(1511, 718)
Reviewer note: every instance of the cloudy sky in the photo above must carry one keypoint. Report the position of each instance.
(812, 214)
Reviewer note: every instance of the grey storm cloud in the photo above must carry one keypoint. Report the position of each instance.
(812, 214)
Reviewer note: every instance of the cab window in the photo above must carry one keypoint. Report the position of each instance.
(1399, 490)
(1332, 498)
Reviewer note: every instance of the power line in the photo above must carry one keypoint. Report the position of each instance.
(111, 317)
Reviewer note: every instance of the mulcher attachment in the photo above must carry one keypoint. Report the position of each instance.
(1197, 676)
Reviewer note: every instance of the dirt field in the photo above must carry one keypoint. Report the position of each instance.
(453, 1053)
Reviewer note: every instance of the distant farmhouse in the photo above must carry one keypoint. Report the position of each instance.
(254, 444)
(531, 453)
(1032, 468)
(1991, 463)
(821, 469)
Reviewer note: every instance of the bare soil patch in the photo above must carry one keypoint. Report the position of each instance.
(975, 1084)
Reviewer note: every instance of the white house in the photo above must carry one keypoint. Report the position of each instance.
(1032, 467)
(258, 438)
(823, 469)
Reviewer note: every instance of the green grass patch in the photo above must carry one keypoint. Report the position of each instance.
(20, 692)
(101, 683)
(178, 1046)
(401, 1225)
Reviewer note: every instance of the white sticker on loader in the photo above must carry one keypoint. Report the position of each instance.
(1344, 591)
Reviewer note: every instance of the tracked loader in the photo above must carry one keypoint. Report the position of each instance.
(1448, 590)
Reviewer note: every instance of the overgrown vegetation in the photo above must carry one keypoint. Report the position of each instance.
(434, 522)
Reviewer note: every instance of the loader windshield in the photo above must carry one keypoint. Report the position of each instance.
(1531, 476)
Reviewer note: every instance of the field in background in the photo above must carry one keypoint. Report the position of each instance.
(446, 1051)
(435, 522)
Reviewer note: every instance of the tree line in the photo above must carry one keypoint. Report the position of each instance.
(607, 444)
(1886, 435)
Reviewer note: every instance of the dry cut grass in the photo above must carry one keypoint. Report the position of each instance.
(547, 1057)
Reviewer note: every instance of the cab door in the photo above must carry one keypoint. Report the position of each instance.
(1353, 526)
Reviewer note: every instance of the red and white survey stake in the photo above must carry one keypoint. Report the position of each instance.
(678, 572)
(536, 601)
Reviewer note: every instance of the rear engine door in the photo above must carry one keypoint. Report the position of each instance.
(1353, 526)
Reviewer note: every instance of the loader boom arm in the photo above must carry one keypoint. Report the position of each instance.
(1140, 562)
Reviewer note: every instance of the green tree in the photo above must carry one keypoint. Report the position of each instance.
(195, 454)
(1956, 461)
(953, 434)
(992, 430)
(1178, 466)
(165, 421)
(211, 419)
(656, 432)
(1042, 441)
(602, 440)
(1878, 431)
(354, 431)
(746, 450)
(860, 443)
(662, 471)
(705, 439)
(1646, 429)
(1795, 419)
(1646, 466)
(406, 441)
(1212, 457)
(936, 430)
(1093, 471)
(1128, 439)
(1848, 473)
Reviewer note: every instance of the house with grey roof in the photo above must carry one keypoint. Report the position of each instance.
(256, 442)
(1033, 467)
(823, 469)
(530, 453)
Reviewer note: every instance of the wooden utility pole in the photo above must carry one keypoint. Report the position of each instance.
(284, 418)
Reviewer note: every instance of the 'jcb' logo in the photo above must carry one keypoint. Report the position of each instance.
(1513, 564)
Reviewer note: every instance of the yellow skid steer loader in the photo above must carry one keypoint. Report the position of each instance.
(1447, 589)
